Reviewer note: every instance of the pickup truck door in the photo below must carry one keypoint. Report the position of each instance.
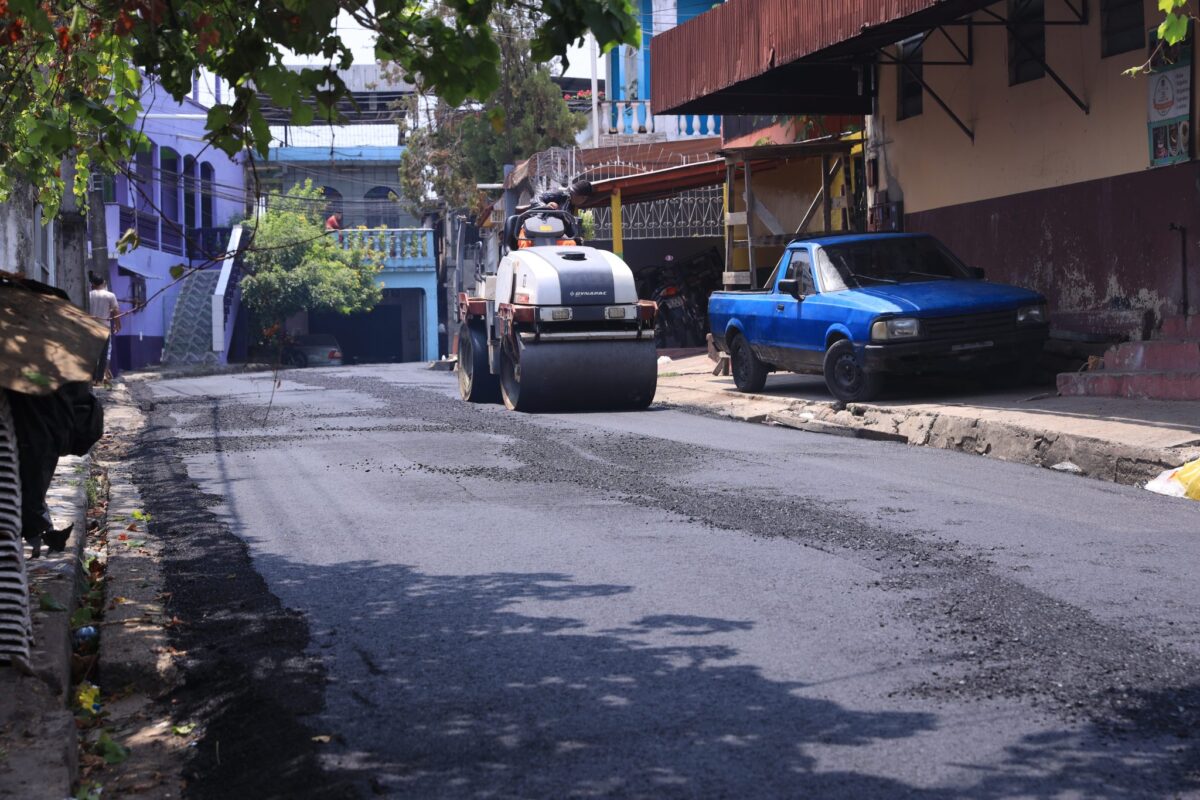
(757, 313)
(793, 335)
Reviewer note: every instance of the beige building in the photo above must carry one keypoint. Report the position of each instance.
(1006, 128)
(1039, 172)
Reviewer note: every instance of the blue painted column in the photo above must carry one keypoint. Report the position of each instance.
(426, 282)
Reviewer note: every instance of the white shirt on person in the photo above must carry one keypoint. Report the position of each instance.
(103, 304)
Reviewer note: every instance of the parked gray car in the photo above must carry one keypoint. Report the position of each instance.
(313, 350)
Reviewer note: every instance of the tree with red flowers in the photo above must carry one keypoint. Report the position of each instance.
(72, 71)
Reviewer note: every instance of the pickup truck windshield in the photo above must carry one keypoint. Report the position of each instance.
(875, 262)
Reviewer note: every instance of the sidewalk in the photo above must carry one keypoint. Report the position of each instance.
(1113, 439)
(38, 741)
(40, 744)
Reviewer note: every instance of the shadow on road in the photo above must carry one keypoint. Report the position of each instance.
(492, 685)
(458, 691)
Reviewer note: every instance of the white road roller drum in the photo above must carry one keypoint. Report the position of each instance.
(560, 328)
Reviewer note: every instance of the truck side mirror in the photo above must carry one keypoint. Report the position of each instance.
(976, 273)
(791, 286)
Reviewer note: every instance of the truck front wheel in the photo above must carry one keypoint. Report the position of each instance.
(749, 374)
(845, 377)
(476, 383)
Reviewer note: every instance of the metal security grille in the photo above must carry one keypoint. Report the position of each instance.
(15, 628)
(694, 212)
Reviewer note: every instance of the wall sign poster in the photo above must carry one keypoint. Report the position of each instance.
(1169, 104)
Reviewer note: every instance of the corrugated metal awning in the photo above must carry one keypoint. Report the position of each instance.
(659, 183)
(785, 56)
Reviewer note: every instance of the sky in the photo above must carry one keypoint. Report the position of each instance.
(361, 42)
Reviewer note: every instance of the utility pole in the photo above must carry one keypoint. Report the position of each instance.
(97, 229)
(595, 53)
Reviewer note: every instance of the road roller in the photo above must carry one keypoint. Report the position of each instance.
(558, 326)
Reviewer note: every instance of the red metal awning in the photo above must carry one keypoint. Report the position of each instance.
(786, 56)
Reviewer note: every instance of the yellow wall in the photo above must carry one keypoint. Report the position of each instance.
(787, 190)
(1027, 137)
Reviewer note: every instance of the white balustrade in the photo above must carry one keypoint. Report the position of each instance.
(400, 247)
(633, 118)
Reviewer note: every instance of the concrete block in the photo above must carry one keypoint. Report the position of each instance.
(955, 433)
(1153, 355)
(1178, 326)
(915, 428)
(1157, 385)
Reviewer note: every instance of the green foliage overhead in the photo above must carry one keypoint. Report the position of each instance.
(295, 265)
(1174, 27)
(469, 144)
(72, 73)
(1172, 30)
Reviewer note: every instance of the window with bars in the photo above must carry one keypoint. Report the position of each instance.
(910, 95)
(1026, 40)
(137, 291)
(1122, 27)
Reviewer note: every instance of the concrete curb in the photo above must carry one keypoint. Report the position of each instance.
(136, 659)
(1082, 455)
(37, 731)
(135, 643)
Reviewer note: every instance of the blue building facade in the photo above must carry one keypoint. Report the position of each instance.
(357, 170)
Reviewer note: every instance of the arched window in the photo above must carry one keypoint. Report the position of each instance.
(169, 178)
(333, 200)
(207, 211)
(189, 192)
(381, 206)
(143, 195)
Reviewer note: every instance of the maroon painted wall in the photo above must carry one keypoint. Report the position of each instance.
(1098, 244)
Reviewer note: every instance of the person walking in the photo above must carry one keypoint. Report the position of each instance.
(102, 304)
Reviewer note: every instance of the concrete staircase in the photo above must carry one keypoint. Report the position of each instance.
(190, 338)
(1164, 368)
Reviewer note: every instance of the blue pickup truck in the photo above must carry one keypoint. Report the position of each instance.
(857, 307)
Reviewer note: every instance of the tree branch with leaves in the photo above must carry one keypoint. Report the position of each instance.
(466, 144)
(72, 72)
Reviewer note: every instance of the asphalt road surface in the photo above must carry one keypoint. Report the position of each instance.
(383, 591)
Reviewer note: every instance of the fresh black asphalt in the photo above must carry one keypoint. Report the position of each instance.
(473, 603)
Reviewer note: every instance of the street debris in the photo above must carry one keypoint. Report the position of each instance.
(1179, 482)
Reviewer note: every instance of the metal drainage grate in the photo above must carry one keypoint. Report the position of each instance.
(15, 630)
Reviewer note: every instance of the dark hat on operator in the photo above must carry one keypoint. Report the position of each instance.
(581, 188)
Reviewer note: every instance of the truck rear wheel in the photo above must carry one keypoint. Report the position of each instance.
(749, 374)
(476, 383)
(845, 377)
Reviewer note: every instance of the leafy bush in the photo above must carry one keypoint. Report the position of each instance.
(294, 265)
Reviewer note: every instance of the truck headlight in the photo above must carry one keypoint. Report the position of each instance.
(1031, 315)
(615, 312)
(556, 314)
(897, 328)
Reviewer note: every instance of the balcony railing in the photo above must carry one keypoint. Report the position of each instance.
(147, 229)
(208, 244)
(144, 222)
(633, 118)
(402, 248)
